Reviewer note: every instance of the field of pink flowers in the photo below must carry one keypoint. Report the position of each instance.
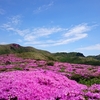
(28, 79)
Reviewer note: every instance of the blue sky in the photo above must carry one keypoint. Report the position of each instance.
(52, 25)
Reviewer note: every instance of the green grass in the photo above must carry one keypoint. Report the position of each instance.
(90, 82)
(87, 81)
(18, 68)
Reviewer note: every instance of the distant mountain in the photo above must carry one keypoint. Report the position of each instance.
(76, 57)
(71, 54)
(33, 53)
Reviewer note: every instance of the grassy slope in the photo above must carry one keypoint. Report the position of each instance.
(26, 52)
(95, 57)
(75, 57)
(33, 53)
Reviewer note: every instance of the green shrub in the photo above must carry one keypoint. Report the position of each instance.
(87, 81)
(18, 68)
(90, 81)
(76, 77)
(50, 63)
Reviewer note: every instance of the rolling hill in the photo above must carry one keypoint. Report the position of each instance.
(26, 52)
(33, 53)
(76, 57)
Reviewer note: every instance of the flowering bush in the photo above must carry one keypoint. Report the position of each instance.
(40, 80)
(38, 85)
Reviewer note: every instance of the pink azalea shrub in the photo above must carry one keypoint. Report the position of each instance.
(39, 85)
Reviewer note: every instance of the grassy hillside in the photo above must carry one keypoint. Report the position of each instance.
(33, 53)
(26, 52)
(76, 57)
(95, 57)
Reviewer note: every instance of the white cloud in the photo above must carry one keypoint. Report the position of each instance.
(22, 32)
(12, 25)
(69, 40)
(7, 27)
(2, 11)
(37, 33)
(44, 36)
(61, 41)
(15, 20)
(77, 30)
(29, 37)
(74, 34)
(43, 8)
(92, 47)
(45, 31)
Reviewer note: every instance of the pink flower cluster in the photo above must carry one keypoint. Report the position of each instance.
(39, 80)
(39, 85)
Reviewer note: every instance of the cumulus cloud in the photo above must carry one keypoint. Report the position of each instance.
(92, 47)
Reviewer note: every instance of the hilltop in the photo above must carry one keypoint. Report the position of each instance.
(26, 52)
